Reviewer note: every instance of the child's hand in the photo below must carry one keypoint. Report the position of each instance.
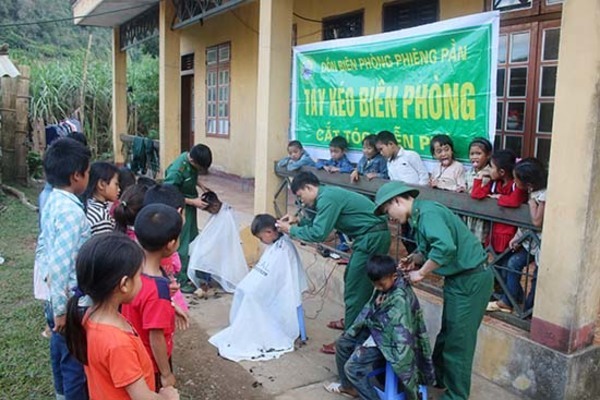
(371, 175)
(168, 393)
(167, 380)
(59, 323)
(182, 320)
(433, 182)
(333, 169)
(482, 174)
(513, 244)
(354, 177)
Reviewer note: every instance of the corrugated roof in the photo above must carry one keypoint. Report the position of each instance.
(7, 68)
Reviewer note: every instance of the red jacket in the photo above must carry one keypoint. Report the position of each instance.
(510, 196)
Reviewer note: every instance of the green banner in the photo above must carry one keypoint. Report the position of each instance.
(416, 83)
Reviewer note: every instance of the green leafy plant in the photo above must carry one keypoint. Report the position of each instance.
(35, 165)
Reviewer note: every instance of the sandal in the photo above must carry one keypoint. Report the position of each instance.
(337, 324)
(493, 306)
(328, 348)
(337, 388)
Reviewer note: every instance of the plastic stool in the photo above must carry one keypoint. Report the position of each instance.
(390, 391)
(301, 323)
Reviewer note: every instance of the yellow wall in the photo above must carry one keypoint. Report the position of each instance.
(458, 8)
(234, 154)
(309, 32)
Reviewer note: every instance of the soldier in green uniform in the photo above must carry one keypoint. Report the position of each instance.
(352, 214)
(446, 247)
(183, 174)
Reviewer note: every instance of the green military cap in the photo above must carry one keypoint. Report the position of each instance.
(389, 191)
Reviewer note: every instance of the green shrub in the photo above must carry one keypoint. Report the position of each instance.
(35, 165)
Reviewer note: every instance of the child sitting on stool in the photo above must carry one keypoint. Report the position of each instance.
(216, 253)
(265, 300)
(390, 328)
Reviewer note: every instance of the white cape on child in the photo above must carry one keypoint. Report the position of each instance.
(263, 317)
(217, 250)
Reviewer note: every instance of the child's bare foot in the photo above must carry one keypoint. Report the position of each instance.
(337, 388)
(205, 291)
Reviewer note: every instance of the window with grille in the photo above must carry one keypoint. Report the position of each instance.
(187, 63)
(408, 13)
(343, 26)
(218, 89)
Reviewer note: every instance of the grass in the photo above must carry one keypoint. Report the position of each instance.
(25, 371)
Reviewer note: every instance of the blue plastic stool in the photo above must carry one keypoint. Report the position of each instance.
(390, 391)
(301, 323)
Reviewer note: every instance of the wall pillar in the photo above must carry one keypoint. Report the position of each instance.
(119, 104)
(568, 289)
(272, 97)
(169, 87)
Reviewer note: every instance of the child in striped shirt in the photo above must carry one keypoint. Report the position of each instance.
(102, 189)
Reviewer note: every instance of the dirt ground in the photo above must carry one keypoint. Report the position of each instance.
(203, 375)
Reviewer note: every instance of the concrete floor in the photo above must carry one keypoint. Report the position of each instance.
(301, 374)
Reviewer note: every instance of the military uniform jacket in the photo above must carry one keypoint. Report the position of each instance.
(336, 208)
(395, 320)
(444, 238)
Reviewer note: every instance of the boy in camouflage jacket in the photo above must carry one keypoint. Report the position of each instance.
(389, 328)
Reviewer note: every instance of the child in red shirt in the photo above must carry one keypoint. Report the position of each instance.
(116, 363)
(502, 187)
(157, 227)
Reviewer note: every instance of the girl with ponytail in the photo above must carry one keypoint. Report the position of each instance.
(116, 363)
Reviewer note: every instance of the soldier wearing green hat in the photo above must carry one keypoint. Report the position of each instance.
(352, 214)
(446, 247)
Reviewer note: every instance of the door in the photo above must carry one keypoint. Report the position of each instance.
(187, 112)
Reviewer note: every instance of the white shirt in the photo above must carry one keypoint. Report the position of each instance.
(408, 167)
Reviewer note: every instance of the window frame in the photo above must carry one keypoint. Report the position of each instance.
(538, 99)
(360, 12)
(550, 8)
(217, 68)
(526, 134)
(390, 4)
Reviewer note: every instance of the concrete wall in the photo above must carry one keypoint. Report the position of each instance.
(507, 356)
(234, 154)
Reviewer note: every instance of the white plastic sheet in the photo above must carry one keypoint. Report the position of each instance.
(217, 250)
(263, 317)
